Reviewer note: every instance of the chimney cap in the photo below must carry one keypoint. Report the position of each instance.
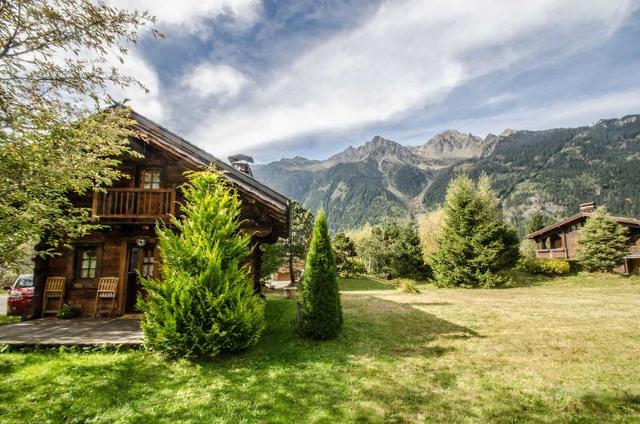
(588, 207)
(240, 158)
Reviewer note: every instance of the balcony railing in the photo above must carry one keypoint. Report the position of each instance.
(551, 253)
(133, 203)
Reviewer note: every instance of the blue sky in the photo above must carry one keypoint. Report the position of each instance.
(277, 79)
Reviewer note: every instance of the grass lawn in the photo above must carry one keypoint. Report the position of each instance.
(561, 350)
(364, 282)
(4, 319)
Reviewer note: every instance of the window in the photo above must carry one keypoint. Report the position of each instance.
(24, 281)
(556, 241)
(88, 262)
(147, 263)
(133, 259)
(150, 180)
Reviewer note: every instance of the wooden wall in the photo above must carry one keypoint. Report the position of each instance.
(113, 242)
(570, 235)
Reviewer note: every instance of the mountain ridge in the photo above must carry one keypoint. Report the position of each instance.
(548, 170)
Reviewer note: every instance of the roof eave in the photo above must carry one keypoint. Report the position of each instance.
(203, 158)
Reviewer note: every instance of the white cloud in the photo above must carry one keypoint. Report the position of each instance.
(500, 98)
(192, 12)
(222, 81)
(149, 104)
(567, 113)
(409, 55)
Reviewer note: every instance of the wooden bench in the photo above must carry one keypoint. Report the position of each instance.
(53, 289)
(107, 289)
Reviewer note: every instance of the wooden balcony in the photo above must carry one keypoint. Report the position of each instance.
(558, 253)
(133, 203)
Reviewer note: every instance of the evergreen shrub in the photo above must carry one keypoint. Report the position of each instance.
(206, 303)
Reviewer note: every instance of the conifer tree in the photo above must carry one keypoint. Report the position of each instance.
(321, 313)
(602, 243)
(206, 304)
(475, 243)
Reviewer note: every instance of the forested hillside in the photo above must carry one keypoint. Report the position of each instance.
(552, 170)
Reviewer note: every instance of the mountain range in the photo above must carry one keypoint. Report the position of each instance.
(551, 171)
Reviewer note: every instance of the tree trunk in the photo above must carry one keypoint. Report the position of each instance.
(257, 265)
(291, 271)
(40, 271)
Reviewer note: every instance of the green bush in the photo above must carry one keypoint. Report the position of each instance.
(67, 312)
(549, 267)
(393, 250)
(344, 250)
(206, 304)
(320, 312)
(407, 286)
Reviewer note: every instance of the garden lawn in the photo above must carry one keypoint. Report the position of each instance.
(364, 282)
(561, 350)
(4, 319)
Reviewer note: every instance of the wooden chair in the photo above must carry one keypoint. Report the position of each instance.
(107, 289)
(53, 289)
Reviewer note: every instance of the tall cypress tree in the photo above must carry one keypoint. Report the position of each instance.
(321, 314)
(205, 305)
(475, 243)
(602, 243)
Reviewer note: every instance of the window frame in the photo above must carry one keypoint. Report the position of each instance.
(556, 241)
(151, 171)
(148, 262)
(79, 252)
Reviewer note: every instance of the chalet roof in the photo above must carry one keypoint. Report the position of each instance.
(577, 217)
(156, 134)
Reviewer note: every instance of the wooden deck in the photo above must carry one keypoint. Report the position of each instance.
(80, 331)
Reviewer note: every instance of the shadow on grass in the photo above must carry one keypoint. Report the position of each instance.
(365, 283)
(282, 379)
(524, 279)
(591, 408)
(357, 377)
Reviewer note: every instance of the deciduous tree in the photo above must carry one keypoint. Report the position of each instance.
(393, 250)
(57, 60)
(297, 244)
(345, 252)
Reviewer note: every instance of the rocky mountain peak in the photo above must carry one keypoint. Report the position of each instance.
(508, 132)
(378, 149)
(451, 144)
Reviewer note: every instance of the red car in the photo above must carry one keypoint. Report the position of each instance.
(20, 295)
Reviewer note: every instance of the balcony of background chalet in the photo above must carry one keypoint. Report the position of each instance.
(133, 204)
(558, 253)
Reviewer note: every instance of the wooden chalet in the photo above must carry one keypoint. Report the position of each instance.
(560, 240)
(111, 260)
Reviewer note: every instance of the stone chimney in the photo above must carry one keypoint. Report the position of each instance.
(242, 163)
(588, 207)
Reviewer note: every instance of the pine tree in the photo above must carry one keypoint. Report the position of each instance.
(603, 243)
(475, 243)
(321, 314)
(205, 305)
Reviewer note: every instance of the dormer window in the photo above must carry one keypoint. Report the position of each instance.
(150, 179)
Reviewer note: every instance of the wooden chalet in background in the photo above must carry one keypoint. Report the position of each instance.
(126, 247)
(560, 240)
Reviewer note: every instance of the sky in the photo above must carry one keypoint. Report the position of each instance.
(273, 78)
